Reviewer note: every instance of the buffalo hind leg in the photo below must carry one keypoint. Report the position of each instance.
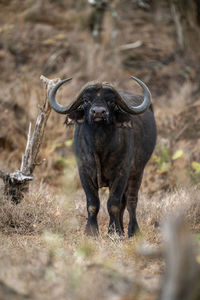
(132, 199)
(121, 213)
(133, 225)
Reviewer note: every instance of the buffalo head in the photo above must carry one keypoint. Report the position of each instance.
(100, 103)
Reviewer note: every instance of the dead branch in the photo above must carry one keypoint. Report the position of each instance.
(178, 26)
(2, 175)
(131, 46)
(144, 4)
(34, 142)
(17, 183)
(99, 9)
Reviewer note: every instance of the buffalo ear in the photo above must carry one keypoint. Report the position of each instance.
(122, 120)
(74, 117)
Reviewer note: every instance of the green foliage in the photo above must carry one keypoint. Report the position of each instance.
(177, 154)
(197, 237)
(195, 174)
(196, 168)
(197, 241)
(54, 145)
(61, 162)
(69, 142)
(86, 250)
(164, 159)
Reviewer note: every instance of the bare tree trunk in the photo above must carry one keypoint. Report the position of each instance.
(182, 272)
(181, 280)
(17, 183)
(186, 18)
(185, 15)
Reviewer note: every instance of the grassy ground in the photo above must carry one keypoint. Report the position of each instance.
(45, 253)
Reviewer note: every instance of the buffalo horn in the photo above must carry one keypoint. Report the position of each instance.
(122, 102)
(76, 103)
(56, 106)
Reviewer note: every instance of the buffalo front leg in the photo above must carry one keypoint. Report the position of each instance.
(93, 204)
(92, 209)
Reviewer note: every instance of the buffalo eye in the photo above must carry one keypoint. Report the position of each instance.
(111, 103)
(86, 100)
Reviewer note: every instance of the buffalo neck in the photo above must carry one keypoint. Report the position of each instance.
(99, 136)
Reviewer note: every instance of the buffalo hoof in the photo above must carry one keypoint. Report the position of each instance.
(112, 230)
(132, 230)
(92, 230)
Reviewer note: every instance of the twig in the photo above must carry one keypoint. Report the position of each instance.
(181, 131)
(2, 175)
(178, 26)
(26, 155)
(131, 45)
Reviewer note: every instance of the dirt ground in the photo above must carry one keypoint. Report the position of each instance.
(44, 251)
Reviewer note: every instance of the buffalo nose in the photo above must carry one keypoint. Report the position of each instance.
(98, 111)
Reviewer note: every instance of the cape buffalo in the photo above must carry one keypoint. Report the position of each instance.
(115, 135)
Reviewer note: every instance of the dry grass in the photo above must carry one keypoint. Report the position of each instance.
(37, 211)
(48, 260)
(46, 255)
(152, 212)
